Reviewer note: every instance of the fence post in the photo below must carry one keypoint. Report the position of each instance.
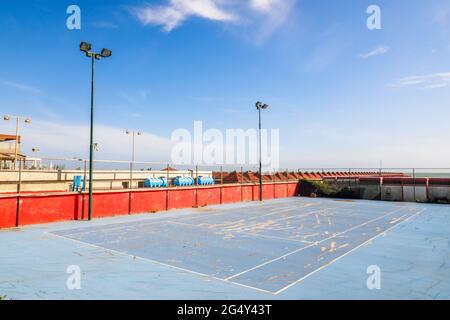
(19, 188)
(349, 179)
(84, 175)
(131, 175)
(414, 184)
(167, 176)
(196, 174)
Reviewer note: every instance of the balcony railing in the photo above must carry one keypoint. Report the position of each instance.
(8, 147)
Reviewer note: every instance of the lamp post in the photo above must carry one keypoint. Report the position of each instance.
(17, 142)
(35, 151)
(133, 133)
(260, 106)
(105, 53)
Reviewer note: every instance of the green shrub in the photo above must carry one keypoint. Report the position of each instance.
(324, 189)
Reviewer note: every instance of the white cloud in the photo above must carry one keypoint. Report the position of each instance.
(69, 140)
(176, 12)
(263, 5)
(276, 13)
(105, 25)
(265, 16)
(375, 52)
(425, 82)
(20, 86)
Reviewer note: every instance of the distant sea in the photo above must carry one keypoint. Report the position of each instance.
(432, 174)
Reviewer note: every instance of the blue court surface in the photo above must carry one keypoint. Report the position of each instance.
(294, 248)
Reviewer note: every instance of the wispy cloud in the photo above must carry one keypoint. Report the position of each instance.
(20, 86)
(269, 14)
(375, 52)
(276, 13)
(330, 47)
(63, 139)
(176, 12)
(424, 82)
(104, 25)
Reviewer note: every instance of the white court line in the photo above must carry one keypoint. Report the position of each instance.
(313, 244)
(86, 244)
(347, 253)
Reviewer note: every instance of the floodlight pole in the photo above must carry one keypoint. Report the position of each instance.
(105, 53)
(259, 106)
(133, 134)
(91, 148)
(260, 158)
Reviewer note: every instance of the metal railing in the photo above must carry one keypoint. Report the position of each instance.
(57, 174)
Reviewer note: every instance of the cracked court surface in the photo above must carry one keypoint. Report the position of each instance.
(295, 248)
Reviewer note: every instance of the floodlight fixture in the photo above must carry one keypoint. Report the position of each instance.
(261, 106)
(85, 47)
(106, 53)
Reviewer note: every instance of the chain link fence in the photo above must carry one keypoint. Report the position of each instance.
(71, 175)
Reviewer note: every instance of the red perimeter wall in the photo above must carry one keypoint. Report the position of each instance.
(52, 207)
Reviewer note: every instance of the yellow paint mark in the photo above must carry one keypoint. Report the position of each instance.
(324, 249)
(333, 247)
(310, 235)
(343, 246)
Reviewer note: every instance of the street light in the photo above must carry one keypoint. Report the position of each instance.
(260, 106)
(105, 53)
(17, 142)
(36, 150)
(133, 134)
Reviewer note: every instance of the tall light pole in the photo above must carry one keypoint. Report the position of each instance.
(260, 106)
(105, 53)
(17, 142)
(133, 133)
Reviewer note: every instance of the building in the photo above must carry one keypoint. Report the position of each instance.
(8, 145)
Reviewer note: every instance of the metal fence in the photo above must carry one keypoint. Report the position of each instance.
(60, 174)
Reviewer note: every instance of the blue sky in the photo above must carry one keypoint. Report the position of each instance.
(341, 95)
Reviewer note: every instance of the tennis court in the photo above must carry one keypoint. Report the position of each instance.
(286, 248)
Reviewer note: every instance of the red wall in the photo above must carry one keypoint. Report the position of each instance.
(247, 193)
(231, 194)
(41, 209)
(54, 207)
(148, 201)
(182, 198)
(208, 196)
(8, 212)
